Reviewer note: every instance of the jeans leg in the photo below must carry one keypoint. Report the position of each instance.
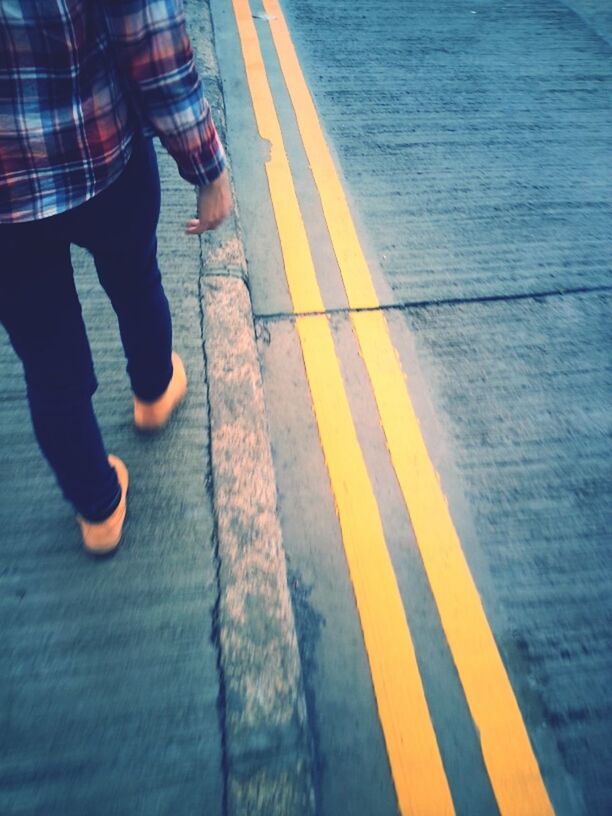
(133, 284)
(118, 227)
(40, 310)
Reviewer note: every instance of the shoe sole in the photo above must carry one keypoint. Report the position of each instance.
(100, 555)
(154, 428)
(149, 430)
(106, 552)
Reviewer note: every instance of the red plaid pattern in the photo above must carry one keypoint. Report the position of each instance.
(77, 79)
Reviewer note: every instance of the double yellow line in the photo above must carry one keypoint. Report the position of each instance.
(416, 765)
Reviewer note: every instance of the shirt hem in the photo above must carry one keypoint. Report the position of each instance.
(49, 212)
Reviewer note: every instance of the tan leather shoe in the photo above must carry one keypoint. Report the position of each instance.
(151, 416)
(102, 538)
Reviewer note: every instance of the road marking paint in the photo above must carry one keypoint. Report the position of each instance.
(507, 751)
(299, 267)
(416, 765)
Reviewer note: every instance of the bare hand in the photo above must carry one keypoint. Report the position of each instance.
(214, 205)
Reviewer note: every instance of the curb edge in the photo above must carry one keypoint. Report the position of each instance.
(268, 757)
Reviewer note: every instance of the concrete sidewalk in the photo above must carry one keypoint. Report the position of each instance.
(167, 679)
(108, 670)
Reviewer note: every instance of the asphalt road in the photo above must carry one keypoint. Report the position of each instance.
(473, 140)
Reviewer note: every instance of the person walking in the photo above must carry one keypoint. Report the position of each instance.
(84, 85)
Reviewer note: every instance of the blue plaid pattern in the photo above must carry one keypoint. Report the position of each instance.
(77, 79)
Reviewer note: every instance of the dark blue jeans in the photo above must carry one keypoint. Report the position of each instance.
(40, 310)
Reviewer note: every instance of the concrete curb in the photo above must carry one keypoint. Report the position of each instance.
(266, 735)
(266, 739)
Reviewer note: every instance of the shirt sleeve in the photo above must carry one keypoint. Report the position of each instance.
(153, 48)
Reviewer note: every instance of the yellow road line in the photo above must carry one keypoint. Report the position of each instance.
(508, 755)
(507, 751)
(418, 773)
(416, 766)
(300, 272)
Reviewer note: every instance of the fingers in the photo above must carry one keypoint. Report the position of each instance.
(193, 227)
(214, 206)
(196, 226)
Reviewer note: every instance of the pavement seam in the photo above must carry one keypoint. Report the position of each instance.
(427, 304)
(209, 484)
(262, 703)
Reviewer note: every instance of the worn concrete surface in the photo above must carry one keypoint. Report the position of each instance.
(496, 119)
(111, 682)
(479, 130)
(267, 752)
(476, 143)
(108, 671)
(474, 138)
(267, 745)
(351, 768)
(596, 14)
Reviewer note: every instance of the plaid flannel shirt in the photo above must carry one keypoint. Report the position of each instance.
(78, 78)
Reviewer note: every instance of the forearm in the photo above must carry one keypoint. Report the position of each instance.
(154, 52)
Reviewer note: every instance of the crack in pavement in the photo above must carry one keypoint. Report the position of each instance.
(426, 304)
